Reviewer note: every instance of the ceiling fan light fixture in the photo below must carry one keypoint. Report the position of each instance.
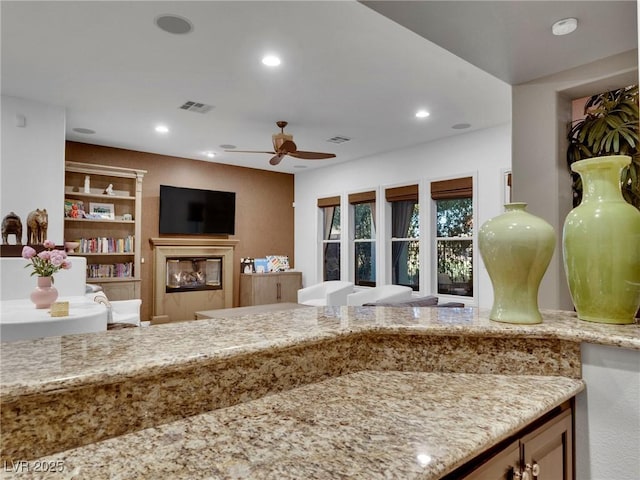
(564, 26)
(271, 60)
(422, 114)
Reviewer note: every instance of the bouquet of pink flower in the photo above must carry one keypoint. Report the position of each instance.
(47, 262)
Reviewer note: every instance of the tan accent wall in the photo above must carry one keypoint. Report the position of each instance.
(264, 203)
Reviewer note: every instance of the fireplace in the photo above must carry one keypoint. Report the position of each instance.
(192, 274)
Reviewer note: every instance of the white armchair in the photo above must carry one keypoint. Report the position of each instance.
(329, 293)
(384, 293)
(119, 311)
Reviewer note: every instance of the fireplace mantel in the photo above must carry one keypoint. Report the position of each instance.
(180, 306)
(192, 242)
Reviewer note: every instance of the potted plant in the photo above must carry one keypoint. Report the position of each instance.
(610, 127)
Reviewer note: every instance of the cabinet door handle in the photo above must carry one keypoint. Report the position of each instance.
(279, 291)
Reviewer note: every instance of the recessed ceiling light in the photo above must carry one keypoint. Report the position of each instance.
(227, 146)
(271, 61)
(173, 24)
(86, 131)
(422, 114)
(162, 129)
(299, 166)
(564, 26)
(461, 126)
(210, 154)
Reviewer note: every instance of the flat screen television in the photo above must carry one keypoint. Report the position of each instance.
(191, 211)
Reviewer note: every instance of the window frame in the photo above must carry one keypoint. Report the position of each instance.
(322, 203)
(353, 199)
(433, 241)
(394, 193)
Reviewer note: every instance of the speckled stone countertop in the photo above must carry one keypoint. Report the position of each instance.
(366, 425)
(57, 362)
(59, 393)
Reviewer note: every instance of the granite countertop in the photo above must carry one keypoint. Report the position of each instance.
(365, 425)
(62, 393)
(64, 362)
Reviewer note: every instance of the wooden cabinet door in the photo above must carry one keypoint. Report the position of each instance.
(290, 283)
(499, 467)
(549, 449)
(265, 289)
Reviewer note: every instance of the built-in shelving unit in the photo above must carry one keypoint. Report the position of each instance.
(107, 226)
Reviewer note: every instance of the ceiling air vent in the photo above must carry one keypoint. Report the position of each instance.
(338, 139)
(196, 107)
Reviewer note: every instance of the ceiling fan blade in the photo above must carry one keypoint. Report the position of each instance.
(288, 146)
(311, 155)
(247, 151)
(276, 159)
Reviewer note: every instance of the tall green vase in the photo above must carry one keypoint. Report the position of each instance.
(516, 248)
(601, 245)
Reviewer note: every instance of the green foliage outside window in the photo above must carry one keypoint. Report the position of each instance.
(364, 229)
(454, 226)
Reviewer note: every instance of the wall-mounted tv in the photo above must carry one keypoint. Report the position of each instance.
(191, 211)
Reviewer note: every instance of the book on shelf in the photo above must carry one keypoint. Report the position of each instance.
(115, 270)
(106, 245)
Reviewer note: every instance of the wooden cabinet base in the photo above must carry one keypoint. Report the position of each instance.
(122, 290)
(269, 288)
(542, 451)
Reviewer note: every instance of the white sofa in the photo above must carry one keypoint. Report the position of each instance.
(330, 293)
(384, 293)
(21, 320)
(17, 283)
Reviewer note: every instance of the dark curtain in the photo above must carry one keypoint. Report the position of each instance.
(401, 214)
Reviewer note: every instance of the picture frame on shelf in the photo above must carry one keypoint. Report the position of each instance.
(104, 211)
(261, 265)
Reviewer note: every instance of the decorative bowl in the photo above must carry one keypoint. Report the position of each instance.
(71, 246)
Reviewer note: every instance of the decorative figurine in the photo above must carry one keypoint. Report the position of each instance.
(37, 224)
(11, 224)
(109, 190)
(87, 184)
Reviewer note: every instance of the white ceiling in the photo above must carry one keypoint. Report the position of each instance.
(346, 70)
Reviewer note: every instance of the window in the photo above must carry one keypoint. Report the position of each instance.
(405, 236)
(454, 235)
(364, 243)
(331, 233)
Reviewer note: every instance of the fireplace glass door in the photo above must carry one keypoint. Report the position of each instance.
(188, 274)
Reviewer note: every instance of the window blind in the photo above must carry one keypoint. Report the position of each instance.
(454, 188)
(362, 197)
(399, 194)
(329, 202)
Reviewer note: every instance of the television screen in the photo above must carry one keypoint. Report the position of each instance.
(192, 211)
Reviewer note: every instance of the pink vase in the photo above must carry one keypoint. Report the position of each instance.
(45, 293)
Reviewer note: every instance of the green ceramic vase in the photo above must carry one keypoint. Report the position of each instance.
(516, 248)
(601, 245)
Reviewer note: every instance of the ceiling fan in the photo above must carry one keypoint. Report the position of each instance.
(283, 145)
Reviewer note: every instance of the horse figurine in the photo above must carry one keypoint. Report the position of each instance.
(11, 224)
(37, 224)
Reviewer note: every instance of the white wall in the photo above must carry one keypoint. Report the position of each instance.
(486, 153)
(608, 414)
(541, 112)
(32, 162)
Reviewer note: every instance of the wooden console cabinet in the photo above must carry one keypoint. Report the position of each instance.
(546, 453)
(266, 288)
